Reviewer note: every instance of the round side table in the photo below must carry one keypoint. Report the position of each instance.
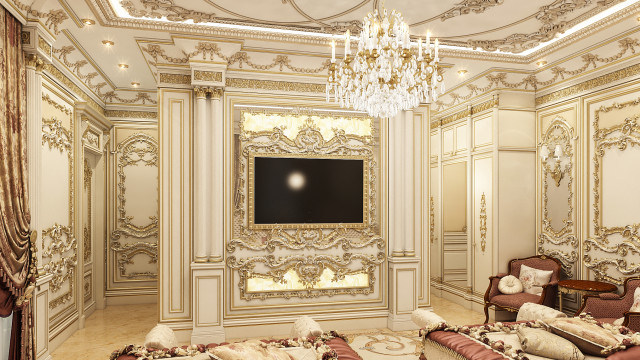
(583, 287)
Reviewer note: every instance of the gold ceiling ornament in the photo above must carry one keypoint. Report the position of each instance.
(53, 18)
(466, 7)
(141, 96)
(76, 66)
(385, 75)
(158, 9)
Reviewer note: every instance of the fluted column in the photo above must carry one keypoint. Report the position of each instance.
(397, 154)
(34, 142)
(217, 177)
(407, 187)
(201, 181)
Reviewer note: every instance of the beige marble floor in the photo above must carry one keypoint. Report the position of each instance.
(108, 329)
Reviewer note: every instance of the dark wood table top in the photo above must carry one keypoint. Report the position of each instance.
(587, 285)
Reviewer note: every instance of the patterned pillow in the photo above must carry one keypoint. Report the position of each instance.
(252, 349)
(532, 279)
(530, 311)
(510, 285)
(635, 307)
(542, 343)
(588, 337)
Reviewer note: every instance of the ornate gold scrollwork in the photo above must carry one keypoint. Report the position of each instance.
(250, 246)
(483, 223)
(432, 221)
(86, 240)
(559, 133)
(620, 137)
(137, 149)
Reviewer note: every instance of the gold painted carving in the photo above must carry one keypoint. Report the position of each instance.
(468, 6)
(178, 79)
(275, 85)
(618, 137)
(483, 223)
(200, 75)
(35, 61)
(157, 9)
(432, 221)
(142, 97)
(201, 92)
(88, 176)
(70, 85)
(76, 66)
(53, 18)
(138, 149)
(87, 288)
(44, 46)
(129, 114)
(250, 246)
(55, 135)
(25, 37)
(472, 110)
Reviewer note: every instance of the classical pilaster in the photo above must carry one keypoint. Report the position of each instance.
(207, 302)
(217, 140)
(397, 211)
(41, 317)
(407, 187)
(202, 211)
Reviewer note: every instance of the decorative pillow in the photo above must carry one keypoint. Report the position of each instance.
(161, 337)
(635, 307)
(530, 311)
(588, 337)
(252, 349)
(305, 327)
(542, 343)
(510, 285)
(422, 318)
(532, 279)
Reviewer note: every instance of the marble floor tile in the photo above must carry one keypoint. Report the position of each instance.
(109, 329)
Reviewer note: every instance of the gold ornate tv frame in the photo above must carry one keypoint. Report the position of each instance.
(365, 193)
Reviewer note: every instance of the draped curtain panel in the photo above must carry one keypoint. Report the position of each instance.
(16, 265)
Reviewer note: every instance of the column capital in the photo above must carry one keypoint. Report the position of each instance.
(34, 61)
(201, 92)
(216, 93)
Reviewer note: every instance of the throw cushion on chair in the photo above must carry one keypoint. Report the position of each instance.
(532, 279)
(510, 285)
(635, 307)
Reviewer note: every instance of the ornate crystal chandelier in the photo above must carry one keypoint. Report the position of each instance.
(386, 74)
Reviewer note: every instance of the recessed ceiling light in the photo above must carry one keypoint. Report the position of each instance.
(123, 66)
(461, 72)
(541, 63)
(135, 84)
(88, 21)
(108, 43)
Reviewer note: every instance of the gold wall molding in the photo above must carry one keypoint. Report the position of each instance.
(141, 96)
(178, 79)
(620, 137)
(130, 114)
(275, 85)
(200, 75)
(87, 177)
(55, 135)
(210, 50)
(469, 111)
(483, 223)
(76, 67)
(70, 85)
(432, 221)
(602, 80)
(139, 149)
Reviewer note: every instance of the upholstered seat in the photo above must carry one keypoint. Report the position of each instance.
(609, 307)
(512, 302)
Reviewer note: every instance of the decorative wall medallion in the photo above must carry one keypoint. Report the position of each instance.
(610, 245)
(483, 223)
(139, 149)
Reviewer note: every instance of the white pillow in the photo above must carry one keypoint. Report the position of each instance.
(305, 327)
(635, 307)
(161, 337)
(531, 311)
(422, 318)
(510, 285)
(533, 279)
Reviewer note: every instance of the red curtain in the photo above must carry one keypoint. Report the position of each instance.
(17, 268)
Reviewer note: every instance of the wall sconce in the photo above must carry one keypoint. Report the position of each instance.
(556, 165)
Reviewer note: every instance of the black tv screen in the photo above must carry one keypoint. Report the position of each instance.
(308, 191)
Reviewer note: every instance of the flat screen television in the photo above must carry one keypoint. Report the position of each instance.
(307, 192)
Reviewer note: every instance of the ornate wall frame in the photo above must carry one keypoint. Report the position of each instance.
(559, 132)
(139, 148)
(343, 249)
(59, 244)
(620, 137)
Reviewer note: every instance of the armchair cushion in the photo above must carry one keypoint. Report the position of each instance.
(510, 285)
(533, 279)
(635, 307)
(514, 301)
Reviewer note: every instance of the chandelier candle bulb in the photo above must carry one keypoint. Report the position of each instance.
(333, 51)
(428, 43)
(419, 48)
(436, 54)
(347, 44)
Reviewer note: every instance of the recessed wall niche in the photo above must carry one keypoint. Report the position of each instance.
(270, 264)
